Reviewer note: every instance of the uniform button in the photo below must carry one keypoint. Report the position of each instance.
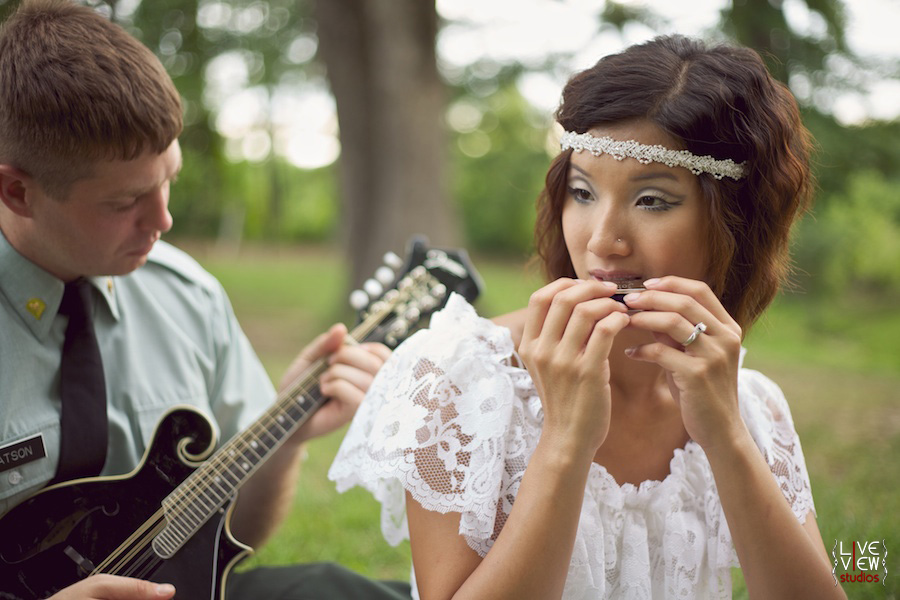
(15, 478)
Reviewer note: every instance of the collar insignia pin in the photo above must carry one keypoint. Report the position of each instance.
(36, 307)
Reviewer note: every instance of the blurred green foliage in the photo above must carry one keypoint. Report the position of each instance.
(853, 242)
(498, 166)
(497, 141)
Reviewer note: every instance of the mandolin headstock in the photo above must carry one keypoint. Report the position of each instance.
(404, 293)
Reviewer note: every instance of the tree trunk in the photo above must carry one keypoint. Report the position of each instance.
(380, 57)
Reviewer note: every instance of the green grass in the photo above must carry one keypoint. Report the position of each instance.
(839, 367)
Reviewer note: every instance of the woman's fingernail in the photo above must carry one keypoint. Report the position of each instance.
(631, 297)
(651, 282)
(610, 285)
(630, 351)
(165, 589)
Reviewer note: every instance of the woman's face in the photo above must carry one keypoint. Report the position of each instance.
(625, 221)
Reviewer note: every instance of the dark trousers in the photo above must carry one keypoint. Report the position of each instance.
(316, 581)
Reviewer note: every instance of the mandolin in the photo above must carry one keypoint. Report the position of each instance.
(168, 520)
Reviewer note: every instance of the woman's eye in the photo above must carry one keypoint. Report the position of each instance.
(579, 194)
(654, 203)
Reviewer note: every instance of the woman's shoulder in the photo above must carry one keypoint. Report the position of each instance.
(514, 322)
(457, 332)
(766, 411)
(758, 391)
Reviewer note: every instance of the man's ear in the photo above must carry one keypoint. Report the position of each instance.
(14, 184)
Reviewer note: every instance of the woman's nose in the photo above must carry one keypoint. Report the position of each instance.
(609, 236)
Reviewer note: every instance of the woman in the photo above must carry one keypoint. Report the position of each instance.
(585, 447)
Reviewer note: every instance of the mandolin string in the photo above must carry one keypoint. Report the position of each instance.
(148, 565)
(135, 542)
(207, 474)
(187, 498)
(299, 385)
(126, 552)
(141, 539)
(142, 562)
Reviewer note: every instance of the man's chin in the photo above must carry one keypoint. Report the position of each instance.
(127, 265)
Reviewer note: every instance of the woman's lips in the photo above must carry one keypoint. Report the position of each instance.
(620, 278)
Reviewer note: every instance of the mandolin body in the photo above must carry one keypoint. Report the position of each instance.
(66, 532)
(62, 534)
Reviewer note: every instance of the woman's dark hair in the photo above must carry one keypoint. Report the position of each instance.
(719, 101)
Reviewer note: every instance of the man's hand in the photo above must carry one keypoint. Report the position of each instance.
(113, 587)
(349, 375)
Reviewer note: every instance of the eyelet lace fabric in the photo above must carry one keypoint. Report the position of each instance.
(451, 420)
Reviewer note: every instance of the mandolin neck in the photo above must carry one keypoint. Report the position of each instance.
(219, 478)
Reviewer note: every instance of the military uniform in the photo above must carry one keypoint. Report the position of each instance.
(167, 336)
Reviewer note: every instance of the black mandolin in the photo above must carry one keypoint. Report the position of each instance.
(167, 521)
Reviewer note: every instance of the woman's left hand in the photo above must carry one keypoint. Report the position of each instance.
(702, 376)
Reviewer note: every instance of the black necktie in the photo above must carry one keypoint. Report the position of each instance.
(83, 430)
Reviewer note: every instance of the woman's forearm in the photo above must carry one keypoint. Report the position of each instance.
(530, 558)
(778, 557)
(533, 551)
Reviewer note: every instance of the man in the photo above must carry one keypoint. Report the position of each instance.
(88, 151)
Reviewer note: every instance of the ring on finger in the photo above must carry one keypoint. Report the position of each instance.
(698, 329)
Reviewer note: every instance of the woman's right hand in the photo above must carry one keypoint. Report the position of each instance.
(570, 326)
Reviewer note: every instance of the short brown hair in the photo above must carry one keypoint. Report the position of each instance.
(718, 101)
(76, 88)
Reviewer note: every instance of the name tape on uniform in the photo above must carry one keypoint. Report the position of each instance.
(22, 452)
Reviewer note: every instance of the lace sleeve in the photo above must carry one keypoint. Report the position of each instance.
(442, 421)
(768, 417)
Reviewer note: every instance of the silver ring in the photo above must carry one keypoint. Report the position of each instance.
(698, 329)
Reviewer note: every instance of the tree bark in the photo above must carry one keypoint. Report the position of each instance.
(382, 67)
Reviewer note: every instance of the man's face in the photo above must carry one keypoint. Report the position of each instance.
(108, 222)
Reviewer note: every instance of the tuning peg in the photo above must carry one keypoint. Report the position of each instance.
(384, 275)
(359, 299)
(428, 303)
(399, 327)
(373, 288)
(393, 261)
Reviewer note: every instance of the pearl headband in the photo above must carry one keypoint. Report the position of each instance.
(645, 154)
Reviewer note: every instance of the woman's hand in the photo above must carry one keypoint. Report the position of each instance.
(702, 376)
(569, 329)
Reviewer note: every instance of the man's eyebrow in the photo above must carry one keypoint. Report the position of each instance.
(141, 191)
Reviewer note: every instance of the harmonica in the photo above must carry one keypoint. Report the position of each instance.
(624, 290)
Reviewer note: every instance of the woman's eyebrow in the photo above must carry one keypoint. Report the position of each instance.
(654, 175)
(579, 169)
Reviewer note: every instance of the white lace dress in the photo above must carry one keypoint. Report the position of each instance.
(451, 420)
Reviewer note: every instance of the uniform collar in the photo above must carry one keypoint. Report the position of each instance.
(106, 285)
(35, 294)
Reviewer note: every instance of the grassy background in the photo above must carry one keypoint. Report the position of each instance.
(839, 367)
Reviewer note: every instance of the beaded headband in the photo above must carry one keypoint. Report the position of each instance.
(645, 154)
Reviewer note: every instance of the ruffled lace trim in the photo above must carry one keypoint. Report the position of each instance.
(450, 420)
